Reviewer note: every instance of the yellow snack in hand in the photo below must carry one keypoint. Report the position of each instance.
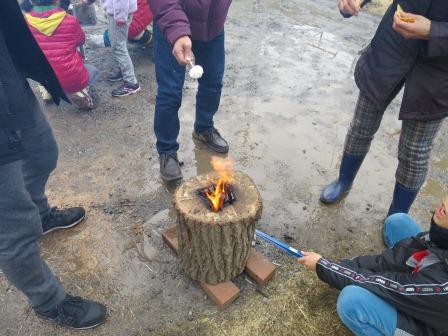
(403, 16)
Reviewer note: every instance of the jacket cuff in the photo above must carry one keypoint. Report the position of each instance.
(438, 39)
(320, 269)
(173, 35)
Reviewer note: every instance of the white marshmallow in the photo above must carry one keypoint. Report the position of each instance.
(196, 72)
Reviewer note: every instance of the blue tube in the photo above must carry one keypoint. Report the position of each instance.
(288, 249)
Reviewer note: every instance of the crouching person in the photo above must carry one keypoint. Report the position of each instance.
(402, 291)
(59, 35)
(28, 154)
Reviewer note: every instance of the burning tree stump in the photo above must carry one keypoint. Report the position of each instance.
(214, 246)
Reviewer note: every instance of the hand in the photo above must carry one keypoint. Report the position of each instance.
(309, 260)
(351, 7)
(419, 29)
(182, 50)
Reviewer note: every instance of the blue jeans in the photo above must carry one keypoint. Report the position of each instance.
(364, 313)
(94, 74)
(170, 77)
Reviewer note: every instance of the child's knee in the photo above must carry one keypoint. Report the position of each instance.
(349, 301)
(395, 221)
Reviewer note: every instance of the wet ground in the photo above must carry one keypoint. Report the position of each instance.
(288, 97)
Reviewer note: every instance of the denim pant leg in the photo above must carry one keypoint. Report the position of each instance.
(170, 77)
(119, 38)
(211, 56)
(366, 314)
(42, 156)
(94, 74)
(399, 226)
(22, 198)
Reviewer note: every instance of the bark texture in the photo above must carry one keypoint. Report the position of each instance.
(214, 247)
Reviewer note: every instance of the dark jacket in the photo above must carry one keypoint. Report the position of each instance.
(20, 58)
(421, 66)
(421, 298)
(202, 20)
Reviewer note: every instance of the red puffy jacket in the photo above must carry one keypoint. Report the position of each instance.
(140, 19)
(58, 35)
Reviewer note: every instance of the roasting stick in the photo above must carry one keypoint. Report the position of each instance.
(285, 247)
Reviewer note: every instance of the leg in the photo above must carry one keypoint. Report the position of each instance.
(94, 74)
(20, 232)
(118, 37)
(365, 124)
(211, 56)
(170, 81)
(365, 314)
(398, 227)
(40, 144)
(414, 149)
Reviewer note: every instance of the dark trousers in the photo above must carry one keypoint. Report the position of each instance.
(22, 203)
(170, 82)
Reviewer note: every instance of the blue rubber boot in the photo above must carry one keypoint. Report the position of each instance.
(334, 192)
(402, 200)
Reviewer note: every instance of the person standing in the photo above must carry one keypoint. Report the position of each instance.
(412, 54)
(28, 154)
(182, 28)
(119, 13)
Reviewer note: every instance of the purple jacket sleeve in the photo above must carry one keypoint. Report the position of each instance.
(438, 39)
(171, 19)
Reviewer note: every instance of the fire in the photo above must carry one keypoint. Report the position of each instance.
(224, 168)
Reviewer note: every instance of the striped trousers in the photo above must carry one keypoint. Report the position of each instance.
(414, 147)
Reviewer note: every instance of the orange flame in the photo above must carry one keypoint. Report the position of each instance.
(224, 168)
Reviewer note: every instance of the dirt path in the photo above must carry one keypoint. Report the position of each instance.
(288, 98)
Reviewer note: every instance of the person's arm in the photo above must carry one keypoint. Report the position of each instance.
(171, 19)
(438, 39)
(417, 295)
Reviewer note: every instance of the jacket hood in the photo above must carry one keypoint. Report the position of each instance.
(46, 25)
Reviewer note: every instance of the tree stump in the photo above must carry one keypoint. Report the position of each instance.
(214, 246)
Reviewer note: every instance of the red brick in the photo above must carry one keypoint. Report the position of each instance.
(259, 268)
(222, 294)
(170, 238)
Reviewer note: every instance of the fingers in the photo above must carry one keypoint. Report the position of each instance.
(350, 6)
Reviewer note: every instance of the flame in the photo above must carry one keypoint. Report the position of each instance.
(224, 168)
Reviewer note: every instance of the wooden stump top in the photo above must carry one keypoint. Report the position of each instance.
(248, 202)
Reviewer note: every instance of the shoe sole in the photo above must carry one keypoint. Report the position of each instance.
(114, 80)
(127, 94)
(217, 150)
(64, 227)
(70, 327)
(171, 179)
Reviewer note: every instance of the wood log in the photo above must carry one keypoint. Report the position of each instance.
(214, 246)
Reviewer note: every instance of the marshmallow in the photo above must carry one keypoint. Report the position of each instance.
(196, 72)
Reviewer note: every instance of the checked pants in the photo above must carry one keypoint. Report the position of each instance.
(414, 147)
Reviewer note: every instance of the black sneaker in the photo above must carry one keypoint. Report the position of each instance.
(170, 167)
(62, 219)
(125, 90)
(213, 140)
(115, 77)
(77, 313)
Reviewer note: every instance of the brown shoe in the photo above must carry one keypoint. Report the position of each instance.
(82, 100)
